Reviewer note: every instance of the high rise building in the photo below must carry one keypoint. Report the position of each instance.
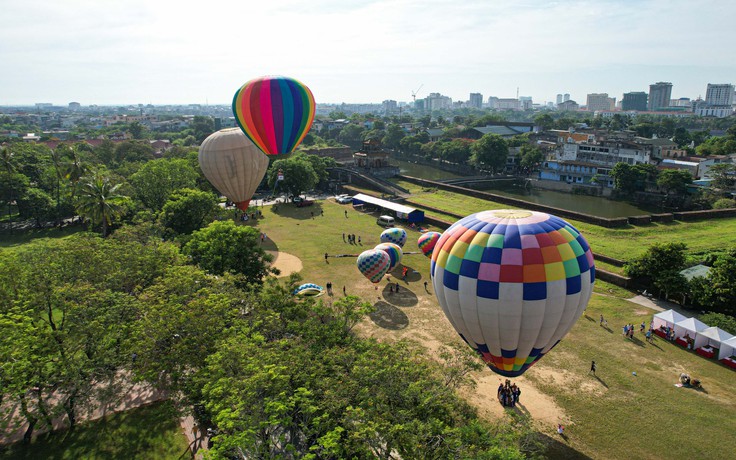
(659, 96)
(635, 100)
(559, 99)
(566, 97)
(476, 100)
(719, 94)
(600, 101)
(390, 106)
(436, 101)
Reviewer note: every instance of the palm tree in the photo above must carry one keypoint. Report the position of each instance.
(75, 169)
(99, 200)
(57, 160)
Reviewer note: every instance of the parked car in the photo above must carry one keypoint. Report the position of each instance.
(302, 202)
(344, 199)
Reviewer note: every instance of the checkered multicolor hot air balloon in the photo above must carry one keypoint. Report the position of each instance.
(427, 242)
(373, 264)
(512, 283)
(393, 251)
(394, 235)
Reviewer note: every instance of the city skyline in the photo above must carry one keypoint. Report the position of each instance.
(360, 52)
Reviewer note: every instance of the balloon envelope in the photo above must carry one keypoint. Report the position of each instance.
(394, 235)
(308, 289)
(233, 164)
(512, 283)
(394, 252)
(274, 112)
(373, 264)
(427, 242)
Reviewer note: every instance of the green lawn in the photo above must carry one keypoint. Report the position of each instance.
(148, 432)
(623, 243)
(643, 415)
(17, 237)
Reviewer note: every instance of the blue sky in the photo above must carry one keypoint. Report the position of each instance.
(167, 52)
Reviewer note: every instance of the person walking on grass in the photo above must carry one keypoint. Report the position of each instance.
(592, 367)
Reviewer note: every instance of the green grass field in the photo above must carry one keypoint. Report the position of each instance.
(616, 414)
(148, 432)
(625, 243)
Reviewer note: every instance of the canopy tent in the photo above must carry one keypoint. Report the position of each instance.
(712, 336)
(728, 348)
(402, 211)
(667, 318)
(689, 326)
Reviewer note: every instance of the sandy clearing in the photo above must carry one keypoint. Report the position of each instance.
(287, 263)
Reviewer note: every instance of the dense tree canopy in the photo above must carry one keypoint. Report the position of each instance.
(490, 151)
(157, 180)
(223, 247)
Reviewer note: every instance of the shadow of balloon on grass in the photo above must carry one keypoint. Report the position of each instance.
(389, 317)
(403, 298)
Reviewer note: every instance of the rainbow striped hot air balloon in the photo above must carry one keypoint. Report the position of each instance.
(512, 283)
(394, 235)
(373, 264)
(394, 252)
(274, 112)
(427, 242)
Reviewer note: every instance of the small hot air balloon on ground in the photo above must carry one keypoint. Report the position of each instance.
(274, 112)
(309, 290)
(394, 235)
(373, 264)
(394, 252)
(233, 164)
(427, 242)
(512, 283)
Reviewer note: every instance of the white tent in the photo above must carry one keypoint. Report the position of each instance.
(728, 348)
(666, 318)
(712, 336)
(689, 326)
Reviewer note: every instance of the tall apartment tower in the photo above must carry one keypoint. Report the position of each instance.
(566, 97)
(719, 94)
(600, 101)
(476, 100)
(659, 96)
(559, 99)
(635, 100)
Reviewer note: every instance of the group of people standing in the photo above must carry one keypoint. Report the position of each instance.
(351, 239)
(508, 393)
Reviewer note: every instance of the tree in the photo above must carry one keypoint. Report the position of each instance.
(299, 175)
(544, 121)
(719, 290)
(100, 201)
(660, 267)
(157, 180)
(225, 247)
(531, 157)
(674, 181)
(723, 175)
(491, 151)
(724, 203)
(393, 137)
(627, 179)
(136, 130)
(202, 127)
(36, 204)
(188, 210)
(725, 322)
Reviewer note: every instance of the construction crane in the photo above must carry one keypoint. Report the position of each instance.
(414, 93)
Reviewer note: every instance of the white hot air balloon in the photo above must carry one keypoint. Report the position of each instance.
(512, 283)
(233, 164)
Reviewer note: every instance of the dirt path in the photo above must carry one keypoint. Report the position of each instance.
(286, 262)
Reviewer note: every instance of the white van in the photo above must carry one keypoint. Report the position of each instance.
(385, 221)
